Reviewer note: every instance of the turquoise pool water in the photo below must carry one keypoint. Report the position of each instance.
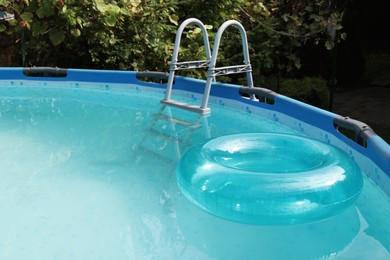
(88, 172)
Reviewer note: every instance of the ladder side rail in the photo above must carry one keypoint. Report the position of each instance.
(176, 138)
(213, 61)
(245, 49)
(176, 48)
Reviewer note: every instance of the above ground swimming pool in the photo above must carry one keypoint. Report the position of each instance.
(93, 166)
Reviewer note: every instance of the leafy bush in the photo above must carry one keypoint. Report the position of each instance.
(92, 34)
(311, 90)
(139, 35)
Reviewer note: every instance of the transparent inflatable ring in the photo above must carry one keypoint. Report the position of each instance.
(269, 178)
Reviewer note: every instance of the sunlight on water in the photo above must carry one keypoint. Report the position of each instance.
(87, 175)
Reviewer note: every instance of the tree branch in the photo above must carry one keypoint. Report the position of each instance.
(307, 35)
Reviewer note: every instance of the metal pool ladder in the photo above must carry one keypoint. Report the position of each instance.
(169, 135)
(209, 63)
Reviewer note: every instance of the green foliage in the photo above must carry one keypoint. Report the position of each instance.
(277, 31)
(311, 90)
(103, 34)
(139, 34)
(281, 28)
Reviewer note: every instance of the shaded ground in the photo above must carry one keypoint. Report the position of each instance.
(370, 105)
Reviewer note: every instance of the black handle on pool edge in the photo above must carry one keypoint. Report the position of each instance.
(49, 72)
(353, 129)
(154, 76)
(263, 94)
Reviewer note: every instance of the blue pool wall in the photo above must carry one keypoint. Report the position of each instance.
(373, 159)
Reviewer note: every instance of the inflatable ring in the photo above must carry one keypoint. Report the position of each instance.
(269, 178)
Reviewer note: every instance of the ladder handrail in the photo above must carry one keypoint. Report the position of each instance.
(210, 62)
(174, 62)
(218, 37)
(212, 69)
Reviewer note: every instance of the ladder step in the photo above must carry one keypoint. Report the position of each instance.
(191, 64)
(231, 70)
(163, 135)
(177, 121)
(186, 106)
(179, 138)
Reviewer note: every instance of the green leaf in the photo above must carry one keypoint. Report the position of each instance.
(101, 6)
(339, 27)
(75, 32)
(309, 9)
(27, 16)
(46, 10)
(110, 20)
(80, 21)
(114, 9)
(2, 27)
(173, 19)
(316, 17)
(57, 36)
(264, 10)
(13, 22)
(329, 44)
(38, 28)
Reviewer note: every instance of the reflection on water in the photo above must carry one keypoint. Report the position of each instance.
(225, 239)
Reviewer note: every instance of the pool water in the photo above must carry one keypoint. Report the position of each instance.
(88, 172)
